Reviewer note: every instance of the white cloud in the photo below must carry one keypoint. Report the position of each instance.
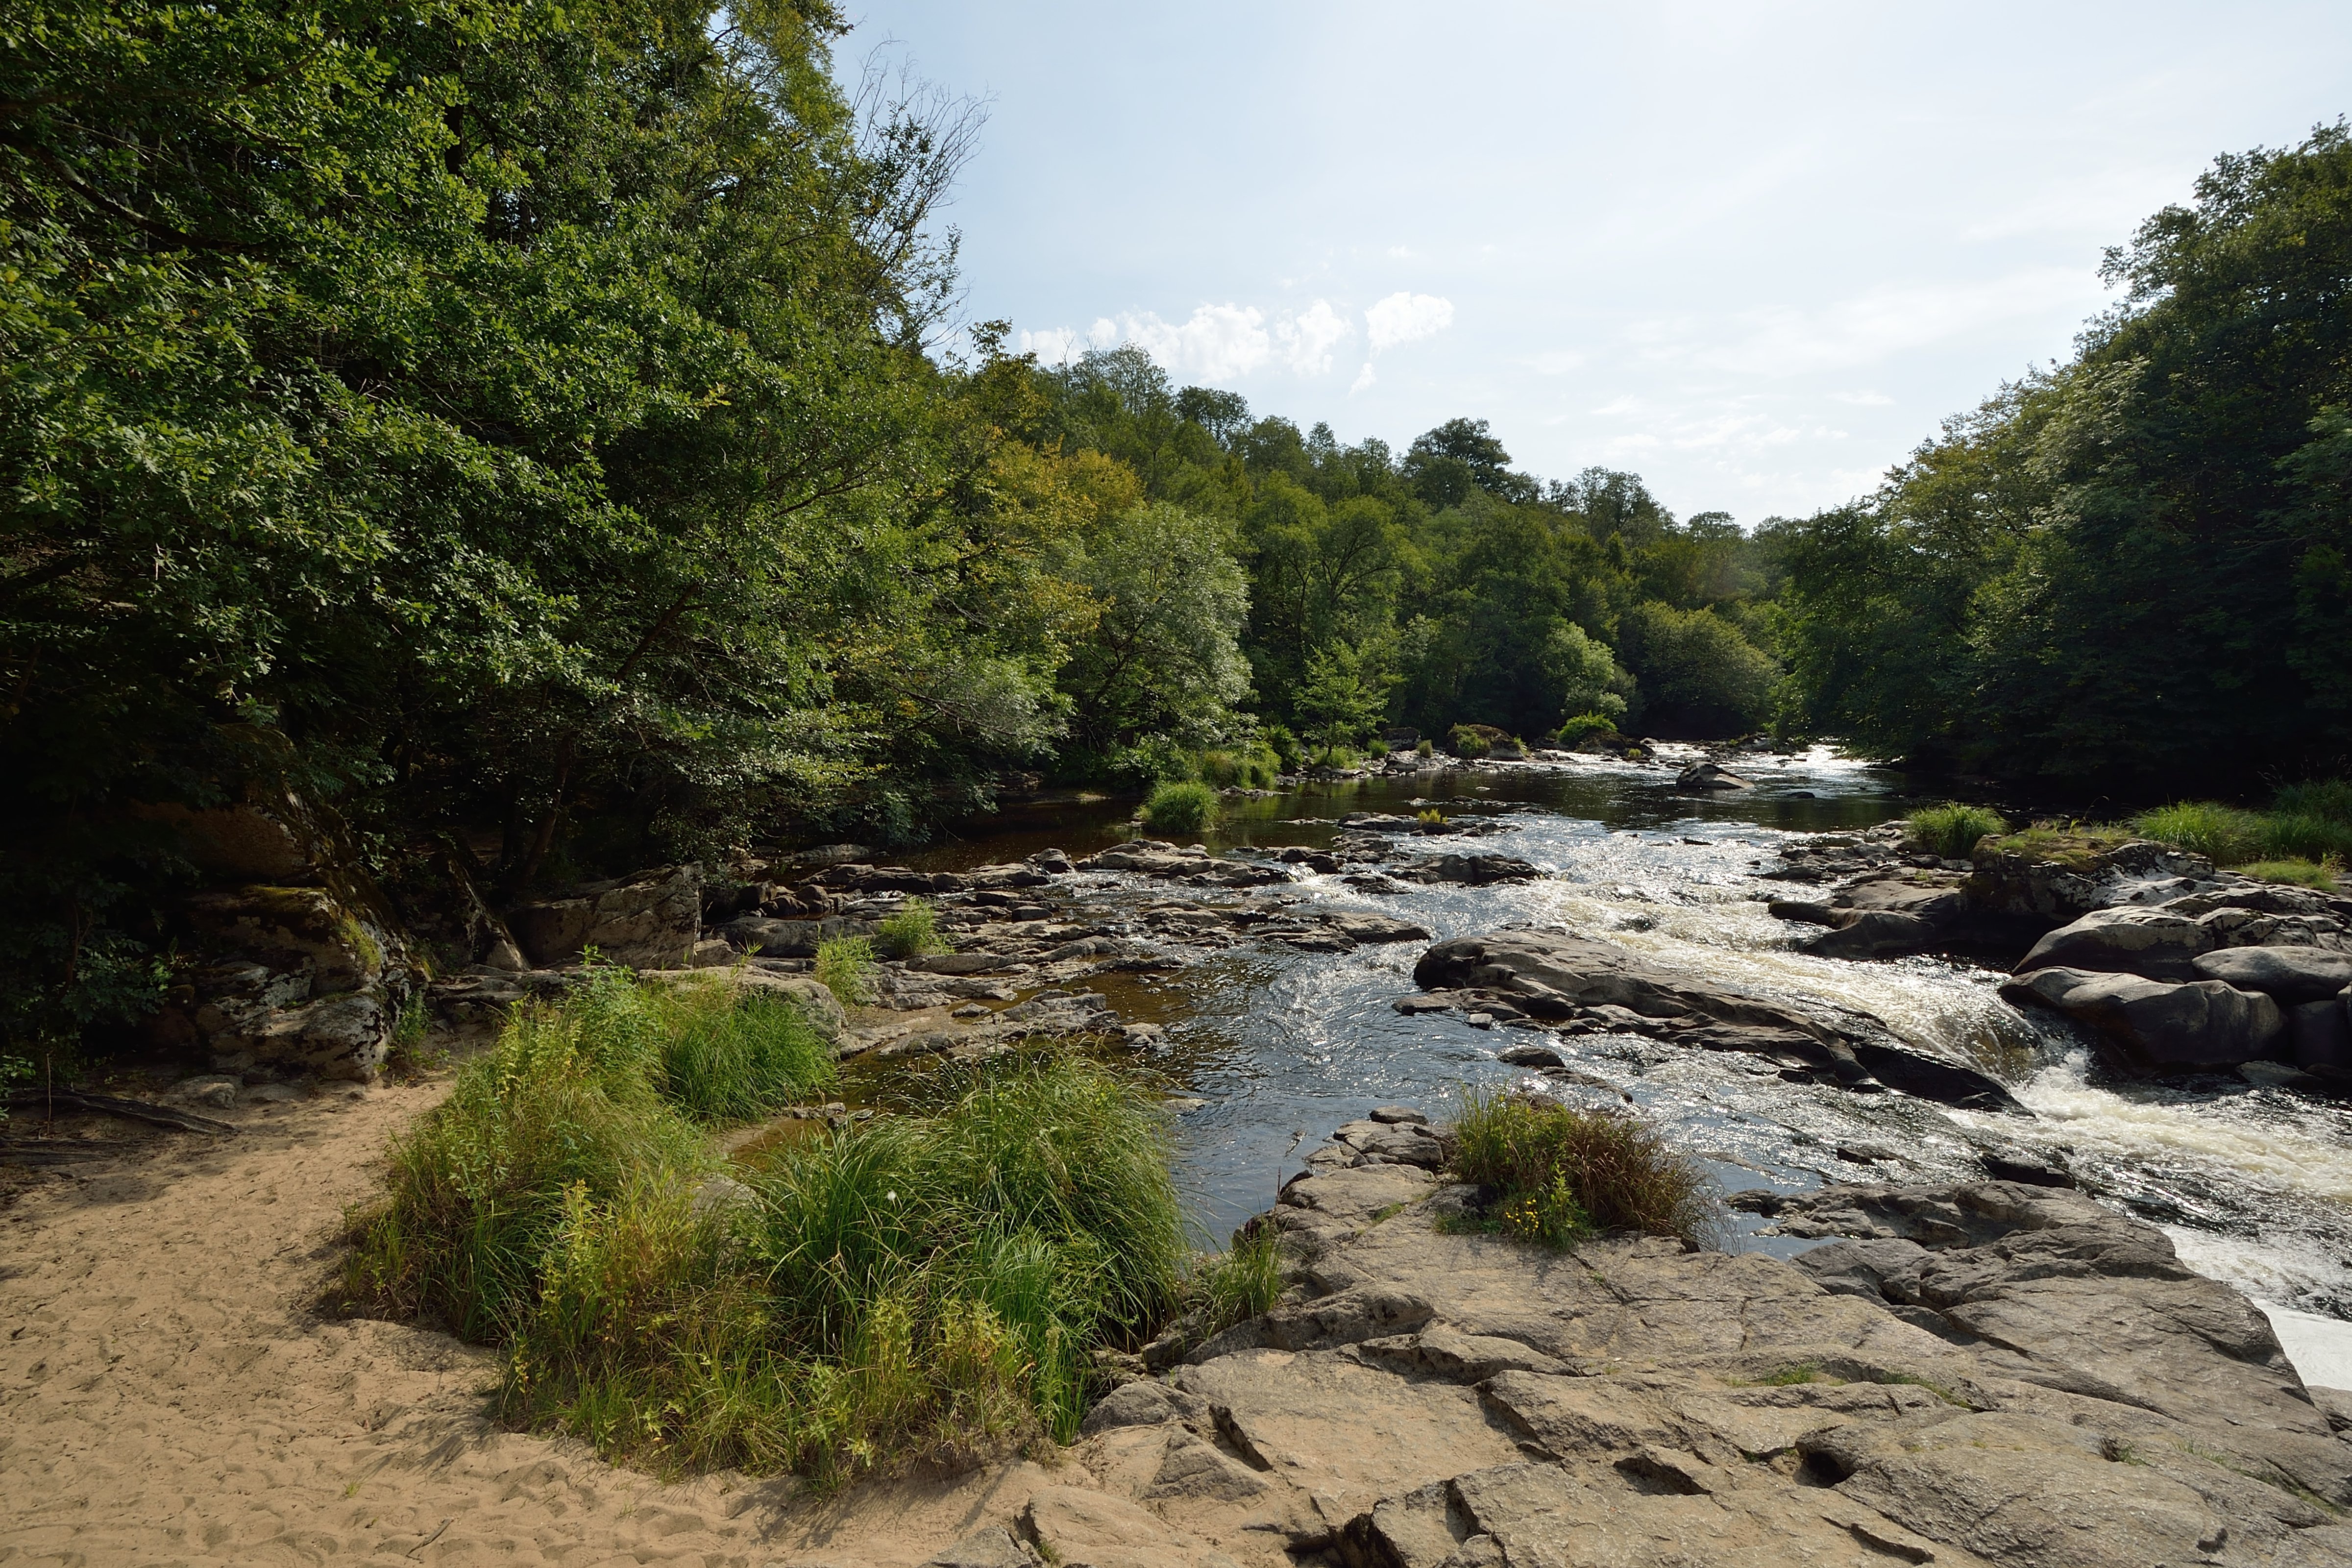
(1403, 318)
(1863, 399)
(1308, 338)
(1364, 378)
(1871, 328)
(1054, 345)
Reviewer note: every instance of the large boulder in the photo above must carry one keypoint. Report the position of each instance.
(1562, 979)
(2154, 943)
(1710, 777)
(2159, 1026)
(2320, 1036)
(648, 921)
(2292, 976)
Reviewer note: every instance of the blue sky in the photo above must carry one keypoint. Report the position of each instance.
(1753, 252)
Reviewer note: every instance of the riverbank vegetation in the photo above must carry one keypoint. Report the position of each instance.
(918, 1286)
(542, 442)
(1557, 1175)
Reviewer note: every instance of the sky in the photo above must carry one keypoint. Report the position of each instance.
(1754, 252)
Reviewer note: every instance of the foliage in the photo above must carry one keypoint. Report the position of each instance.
(1254, 766)
(2222, 834)
(1581, 726)
(1236, 1284)
(1180, 807)
(1165, 655)
(1562, 1173)
(845, 966)
(1341, 697)
(2231, 835)
(1467, 743)
(1952, 829)
(913, 932)
(1424, 748)
(1699, 675)
(917, 1288)
(2128, 570)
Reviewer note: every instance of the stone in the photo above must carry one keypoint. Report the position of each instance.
(1562, 976)
(790, 937)
(994, 1547)
(1531, 1056)
(1360, 926)
(1471, 870)
(216, 1090)
(1398, 1113)
(2060, 877)
(2157, 945)
(2160, 1027)
(2291, 976)
(1143, 1403)
(1710, 777)
(2319, 1033)
(648, 921)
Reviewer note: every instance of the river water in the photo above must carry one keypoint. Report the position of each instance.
(1268, 1050)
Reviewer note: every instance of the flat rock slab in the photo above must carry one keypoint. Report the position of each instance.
(2156, 1027)
(2289, 975)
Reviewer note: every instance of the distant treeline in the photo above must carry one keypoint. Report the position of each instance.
(524, 431)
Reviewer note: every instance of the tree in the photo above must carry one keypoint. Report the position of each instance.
(1343, 696)
(1164, 657)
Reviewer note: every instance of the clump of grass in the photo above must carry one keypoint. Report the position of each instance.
(733, 1056)
(930, 1287)
(912, 932)
(1253, 767)
(2222, 834)
(1951, 830)
(1564, 1173)
(2322, 874)
(1467, 743)
(1181, 805)
(1430, 817)
(1236, 1284)
(2329, 800)
(845, 966)
(1425, 750)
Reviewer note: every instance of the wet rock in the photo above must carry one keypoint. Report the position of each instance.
(1531, 1056)
(2154, 943)
(1567, 978)
(2319, 1033)
(2156, 1027)
(1315, 861)
(1358, 926)
(2061, 878)
(2290, 975)
(1710, 777)
(649, 921)
(865, 880)
(1471, 870)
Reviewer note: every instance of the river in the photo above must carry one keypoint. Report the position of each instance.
(1268, 1049)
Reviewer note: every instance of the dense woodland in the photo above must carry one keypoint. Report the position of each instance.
(528, 433)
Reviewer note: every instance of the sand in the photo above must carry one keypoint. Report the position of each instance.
(168, 1396)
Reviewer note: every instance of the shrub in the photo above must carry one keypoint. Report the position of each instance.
(2330, 800)
(845, 966)
(1284, 745)
(932, 1288)
(1951, 830)
(1467, 743)
(1586, 724)
(1253, 767)
(1425, 750)
(2320, 874)
(2305, 835)
(1180, 807)
(1563, 1174)
(911, 932)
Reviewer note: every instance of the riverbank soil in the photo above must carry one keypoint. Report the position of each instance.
(168, 1396)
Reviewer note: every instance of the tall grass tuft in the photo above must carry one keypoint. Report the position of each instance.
(1236, 1284)
(1564, 1173)
(2224, 834)
(845, 966)
(926, 1288)
(912, 932)
(2322, 874)
(728, 1056)
(1951, 830)
(1181, 805)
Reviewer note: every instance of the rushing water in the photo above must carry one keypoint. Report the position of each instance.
(1274, 1048)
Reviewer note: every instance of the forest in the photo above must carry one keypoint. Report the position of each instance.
(532, 435)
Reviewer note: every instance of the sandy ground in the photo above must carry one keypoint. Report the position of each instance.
(167, 1397)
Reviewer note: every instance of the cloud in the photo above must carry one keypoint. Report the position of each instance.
(1308, 338)
(1863, 399)
(1054, 345)
(1364, 378)
(1405, 318)
(1218, 342)
(1868, 329)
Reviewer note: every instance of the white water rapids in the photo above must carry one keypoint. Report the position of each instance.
(2253, 1181)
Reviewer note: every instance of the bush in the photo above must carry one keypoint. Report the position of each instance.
(1254, 767)
(911, 932)
(1698, 675)
(1467, 743)
(1424, 750)
(1565, 1173)
(927, 1287)
(1951, 830)
(1586, 724)
(2330, 800)
(845, 966)
(1284, 745)
(1180, 807)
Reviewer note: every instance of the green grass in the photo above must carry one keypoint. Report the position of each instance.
(912, 932)
(1254, 767)
(1585, 724)
(1565, 1173)
(920, 1288)
(1181, 805)
(1424, 749)
(1467, 743)
(845, 966)
(1951, 830)
(1234, 1285)
(2309, 822)
(2320, 874)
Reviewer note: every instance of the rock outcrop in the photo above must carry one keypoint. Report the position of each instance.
(2201, 1025)
(649, 921)
(1991, 1374)
(1548, 979)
